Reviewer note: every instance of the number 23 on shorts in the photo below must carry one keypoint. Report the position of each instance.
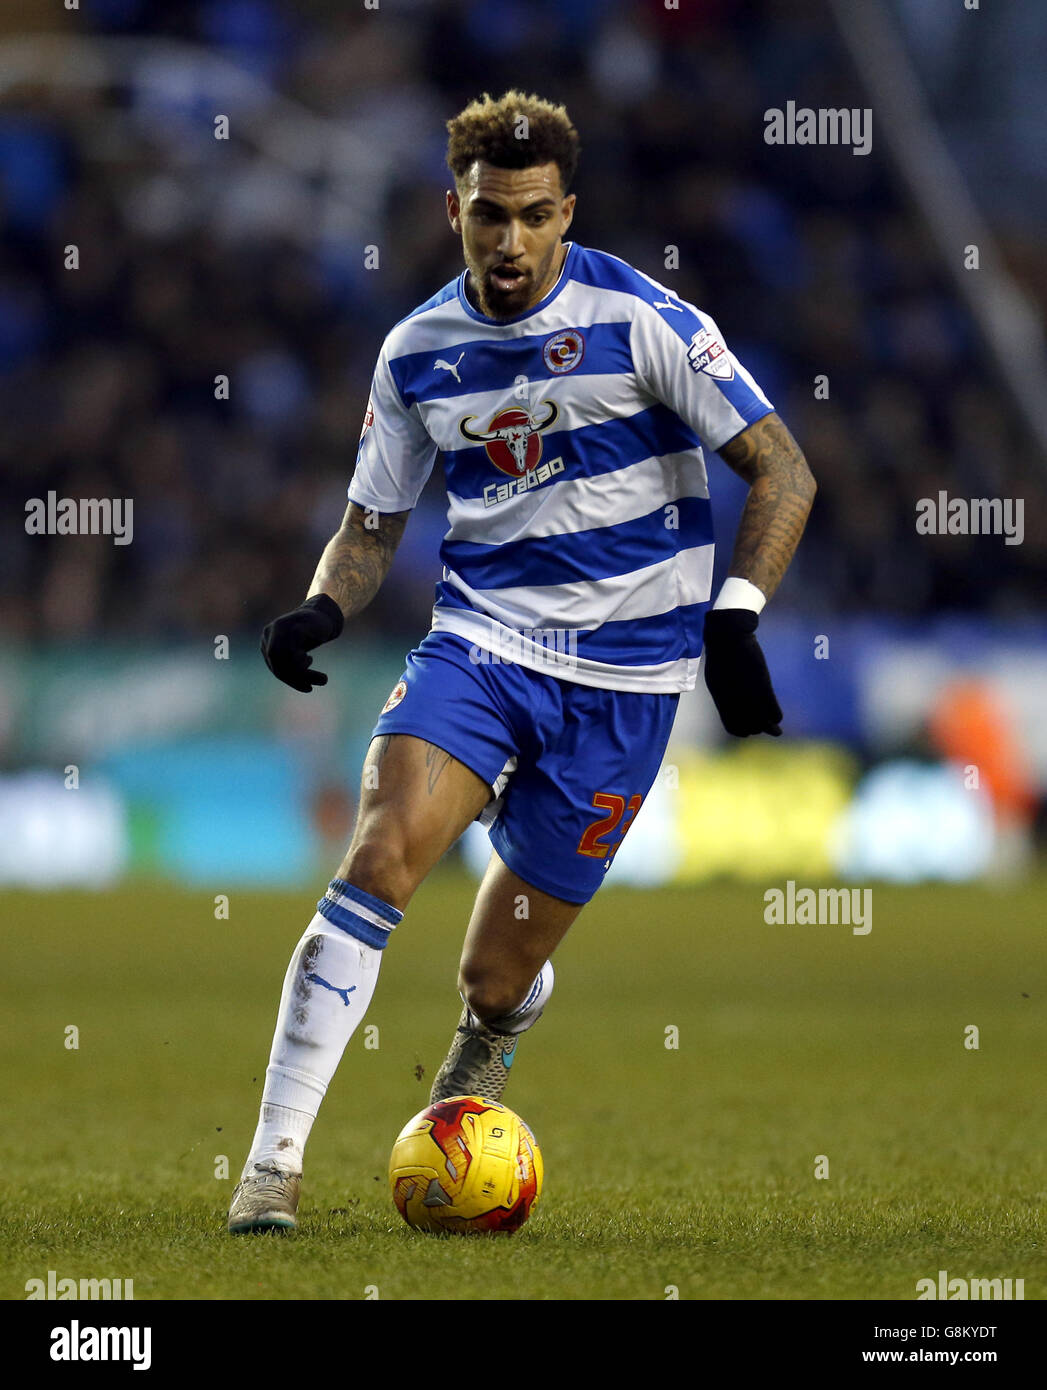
(593, 841)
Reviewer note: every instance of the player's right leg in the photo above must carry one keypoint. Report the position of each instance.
(415, 801)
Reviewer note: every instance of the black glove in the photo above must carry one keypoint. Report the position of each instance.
(736, 674)
(288, 640)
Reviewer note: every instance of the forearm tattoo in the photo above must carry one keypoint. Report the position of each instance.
(781, 490)
(357, 557)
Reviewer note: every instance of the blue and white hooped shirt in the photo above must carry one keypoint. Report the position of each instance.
(579, 537)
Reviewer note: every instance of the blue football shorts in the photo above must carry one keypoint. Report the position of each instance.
(568, 765)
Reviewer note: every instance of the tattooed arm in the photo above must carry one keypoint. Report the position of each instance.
(355, 561)
(357, 557)
(781, 490)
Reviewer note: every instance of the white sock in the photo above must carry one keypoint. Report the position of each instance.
(528, 1012)
(327, 990)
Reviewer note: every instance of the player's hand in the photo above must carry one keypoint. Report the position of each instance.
(288, 640)
(737, 676)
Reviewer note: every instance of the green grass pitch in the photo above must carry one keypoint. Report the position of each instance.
(689, 1169)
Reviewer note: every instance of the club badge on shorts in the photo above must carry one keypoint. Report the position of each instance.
(399, 690)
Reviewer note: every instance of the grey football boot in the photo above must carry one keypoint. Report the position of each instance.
(477, 1064)
(266, 1199)
(481, 1055)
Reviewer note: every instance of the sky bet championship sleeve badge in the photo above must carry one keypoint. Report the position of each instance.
(709, 354)
(563, 351)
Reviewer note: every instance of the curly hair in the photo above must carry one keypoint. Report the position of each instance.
(515, 132)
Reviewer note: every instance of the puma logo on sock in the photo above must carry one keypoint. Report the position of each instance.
(345, 993)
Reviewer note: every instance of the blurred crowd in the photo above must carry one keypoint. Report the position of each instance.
(244, 259)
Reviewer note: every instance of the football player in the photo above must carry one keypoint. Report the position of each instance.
(572, 401)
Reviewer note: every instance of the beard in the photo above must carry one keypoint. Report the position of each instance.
(500, 301)
(504, 301)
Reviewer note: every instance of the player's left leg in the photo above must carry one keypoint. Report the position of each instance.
(505, 979)
(581, 780)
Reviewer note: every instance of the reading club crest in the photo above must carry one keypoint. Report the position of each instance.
(399, 690)
(563, 351)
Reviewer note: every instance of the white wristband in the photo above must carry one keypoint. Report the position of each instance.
(739, 593)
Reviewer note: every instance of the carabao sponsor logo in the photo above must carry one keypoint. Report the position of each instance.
(513, 439)
(516, 487)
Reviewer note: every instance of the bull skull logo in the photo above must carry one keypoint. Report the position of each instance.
(513, 439)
